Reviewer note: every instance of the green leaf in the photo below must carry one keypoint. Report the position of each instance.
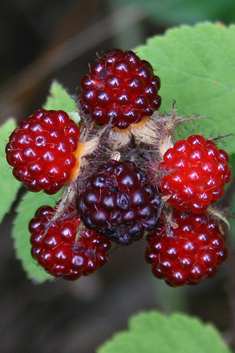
(230, 188)
(230, 185)
(154, 332)
(9, 186)
(21, 235)
(196, 67)
(59, 99)
(174, 12)
(191, 11)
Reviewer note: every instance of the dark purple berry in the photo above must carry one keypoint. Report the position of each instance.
(119, 202)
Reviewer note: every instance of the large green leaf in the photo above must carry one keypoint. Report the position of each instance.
(196, 67)
(154, 332)
(9, 186)
(25, 212)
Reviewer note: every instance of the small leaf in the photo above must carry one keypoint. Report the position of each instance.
(59, 99)
(196, 67)
(232, 167)
(229, 191)
(21, 235)
(9, 186)
(154, 332)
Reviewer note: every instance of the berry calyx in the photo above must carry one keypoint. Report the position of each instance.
(186, 254)
(60, 250)
(120, 87)
(145, 131)
(41, 150)
(195, 172)
(119, 202)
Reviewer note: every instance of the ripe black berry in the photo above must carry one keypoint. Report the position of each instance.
(119, 202)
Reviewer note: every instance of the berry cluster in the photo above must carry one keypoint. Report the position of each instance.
(124, 179)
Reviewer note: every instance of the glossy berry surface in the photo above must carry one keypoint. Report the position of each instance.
(122, 87)
(195, 173)
(56, 248)
(41, 150)
(119, 202)
(188, 254)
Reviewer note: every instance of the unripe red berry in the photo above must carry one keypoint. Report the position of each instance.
(41, 150)
(194, 173)
(186, 254)
(120, 87)
(60, 250)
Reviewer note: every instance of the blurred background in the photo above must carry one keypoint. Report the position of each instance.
(43, 40)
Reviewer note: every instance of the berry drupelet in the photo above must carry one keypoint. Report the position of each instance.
(60, 250)
(186, 254)
(119, 202)
(120, 87)
(41, 150)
